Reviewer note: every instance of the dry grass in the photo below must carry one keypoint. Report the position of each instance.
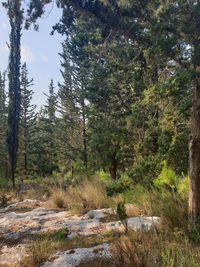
(141, 249)
(58, 199)
(80, 199)
(44, 245)
(133, 210)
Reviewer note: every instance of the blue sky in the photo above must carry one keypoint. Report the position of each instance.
(38, 49)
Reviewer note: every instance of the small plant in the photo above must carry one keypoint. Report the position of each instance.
(61, 234)
(40, 251)
(121, 212)
(58, 200)
(4, 198)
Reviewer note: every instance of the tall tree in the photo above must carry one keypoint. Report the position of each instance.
(45, 150)
(72, 122)
(27, 121)
(15, 14)
(3, 126)
(50, 127)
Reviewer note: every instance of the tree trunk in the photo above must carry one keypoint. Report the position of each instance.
(85, 157)
(13, 176)
(113, 167)
(194, 144)
(194, 157)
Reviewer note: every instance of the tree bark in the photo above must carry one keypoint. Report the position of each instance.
(194, 144)
(113, 167)
(194, 156)
(84, 133)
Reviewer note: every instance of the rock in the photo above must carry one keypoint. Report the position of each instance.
(137, 223)
(10, 256)
(28, 204)
(15, 225)
(97, 214)
(72, 258)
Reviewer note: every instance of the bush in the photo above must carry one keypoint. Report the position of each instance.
(121, 212)
(3, 183)
(4, 198)
(151, 249)
(91, 194)
(119, 186)
(167, 178)
(183, 187)
(103, 176)
(58, 199)
(40, 251)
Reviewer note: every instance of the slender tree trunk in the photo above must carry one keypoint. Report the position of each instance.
(194, 147)
(25, 161)
(113, 167)
(13, 175)
(194, 156)
(85, 157)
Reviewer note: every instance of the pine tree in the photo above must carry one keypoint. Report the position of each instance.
(73, 112)
(46, 138)
(15, 14)
(27, 122)
(50, 125)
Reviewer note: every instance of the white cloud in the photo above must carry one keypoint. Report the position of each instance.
(45, 59)
(27, 55)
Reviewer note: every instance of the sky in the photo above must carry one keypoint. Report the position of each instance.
(38, 49)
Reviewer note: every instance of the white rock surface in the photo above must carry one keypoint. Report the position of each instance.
(72, 258)
(12, 255)
(25, 204)
(16, 225)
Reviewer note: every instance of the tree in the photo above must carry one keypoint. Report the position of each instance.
(175, 28)
(15, 14)
(27, 122)
(70, 123)
(46, 139)
(3, 127)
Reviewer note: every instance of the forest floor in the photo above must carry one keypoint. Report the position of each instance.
(29, 224)
(47, 225)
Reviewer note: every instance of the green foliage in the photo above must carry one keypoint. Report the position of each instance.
(103, 176)
(3, 183)
(121, 212)
(167, 178)
(60, 235)
(183, 186)
(121, 185)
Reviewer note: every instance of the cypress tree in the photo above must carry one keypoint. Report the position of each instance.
(3, 127)
(15, 14)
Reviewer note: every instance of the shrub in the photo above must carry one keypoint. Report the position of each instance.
(4, 198)
(171, 207)
(58, 199)
(121, 185)
(40, 251)
(3, 183)
(167, 178)
(150, 249)
(91, 194)
(183, 187)
(102, 176)
(121, 212)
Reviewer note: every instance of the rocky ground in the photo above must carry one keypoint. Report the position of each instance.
(20, 220)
